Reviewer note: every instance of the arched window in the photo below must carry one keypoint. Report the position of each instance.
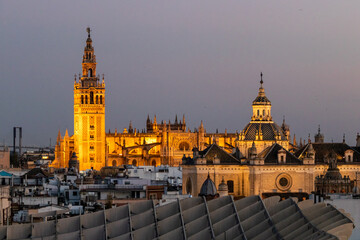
(90, 73)
(153, 163)
(184, 146)
(263, 113)
(86, 99)
(134, 162)
(91, 97)
(258, 112)
(101, 100)
(82, 99)
(188, 186)
(97, 99)
(230, 184)
(114, 164)
(89, 55)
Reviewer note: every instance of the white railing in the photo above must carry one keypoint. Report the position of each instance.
(109, 186)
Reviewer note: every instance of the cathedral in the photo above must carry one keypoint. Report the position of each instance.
(161, 142)
(259, 159)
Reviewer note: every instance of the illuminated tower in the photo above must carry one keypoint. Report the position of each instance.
(89, 113)
(261, 106)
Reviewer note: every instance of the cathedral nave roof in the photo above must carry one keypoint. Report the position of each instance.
(212, 152)
(215, 151)
(323, 150)
(270, 155)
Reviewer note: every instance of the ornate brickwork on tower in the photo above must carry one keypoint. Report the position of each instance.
(89, 113)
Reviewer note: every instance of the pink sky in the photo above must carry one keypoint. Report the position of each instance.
(198, 58)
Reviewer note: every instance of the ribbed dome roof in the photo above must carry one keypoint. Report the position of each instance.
(208, 188)
(261, 100)
(269, 131)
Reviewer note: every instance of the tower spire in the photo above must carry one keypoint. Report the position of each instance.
(66, 133)
(58, 139)
(319, 137)
(261, 89)
(89, 58)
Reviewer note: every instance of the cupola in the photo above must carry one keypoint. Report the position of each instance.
(261, 105)
(208, 188)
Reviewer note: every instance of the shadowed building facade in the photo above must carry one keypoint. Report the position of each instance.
(274, 170)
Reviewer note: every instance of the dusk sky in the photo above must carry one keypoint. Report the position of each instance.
(198, 58)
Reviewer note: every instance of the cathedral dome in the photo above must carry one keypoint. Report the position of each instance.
(270, 131)
(261, 126)
(208, 188)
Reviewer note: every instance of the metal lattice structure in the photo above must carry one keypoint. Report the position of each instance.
(196, 218)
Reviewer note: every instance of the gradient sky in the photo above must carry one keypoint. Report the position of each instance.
(198, 58)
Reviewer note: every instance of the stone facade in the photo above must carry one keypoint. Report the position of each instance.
(246, 179)
(274, 170)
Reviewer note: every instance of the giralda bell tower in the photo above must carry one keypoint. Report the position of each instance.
(89, 113)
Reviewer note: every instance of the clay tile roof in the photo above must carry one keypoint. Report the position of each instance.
(214, 150)
(322, 151)
(270, 155)
(37, 173)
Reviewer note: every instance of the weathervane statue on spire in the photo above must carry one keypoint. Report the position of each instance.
(88, 31)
